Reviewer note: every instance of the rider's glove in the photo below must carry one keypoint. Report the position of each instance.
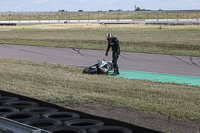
(106, 54)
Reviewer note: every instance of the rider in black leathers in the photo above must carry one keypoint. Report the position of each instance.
(114, 43)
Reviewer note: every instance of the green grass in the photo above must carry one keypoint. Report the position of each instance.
(66, 85)
(100, 16)
(174, 40)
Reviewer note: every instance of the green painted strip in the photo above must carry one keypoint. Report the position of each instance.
(159, 77)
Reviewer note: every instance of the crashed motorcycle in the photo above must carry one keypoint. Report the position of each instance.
(102, 67)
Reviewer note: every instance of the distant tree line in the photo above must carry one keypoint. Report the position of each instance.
(136, 9)
(139, 9)
(62, 10)
(66, 10)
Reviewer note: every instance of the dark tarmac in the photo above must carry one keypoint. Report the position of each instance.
(156, 63)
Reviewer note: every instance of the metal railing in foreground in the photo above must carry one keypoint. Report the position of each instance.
(10, 126)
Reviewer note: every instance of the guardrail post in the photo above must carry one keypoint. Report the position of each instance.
(98, 17)
(118, 17)
(49, 16)
(177, 17)
(38, 17)
(69, 17)
(79, 17)
(157, 17)
(88, 17)
(9, 17)
(29, 17)
(167, 17)
(19, 18)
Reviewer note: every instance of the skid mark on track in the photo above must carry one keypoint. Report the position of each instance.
(191, 63)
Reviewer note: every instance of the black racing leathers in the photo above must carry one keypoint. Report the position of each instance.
(114, 43)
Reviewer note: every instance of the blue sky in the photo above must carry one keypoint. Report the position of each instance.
(95, 5)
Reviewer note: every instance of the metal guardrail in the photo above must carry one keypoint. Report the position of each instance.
(10, 126)
(121, 21)
(100, 16)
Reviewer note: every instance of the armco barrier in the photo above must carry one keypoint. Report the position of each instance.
(108, 123)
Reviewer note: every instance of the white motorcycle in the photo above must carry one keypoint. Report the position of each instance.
(102, 67)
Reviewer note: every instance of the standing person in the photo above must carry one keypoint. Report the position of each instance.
(114, 43)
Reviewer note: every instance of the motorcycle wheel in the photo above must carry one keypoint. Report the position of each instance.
(90, 70)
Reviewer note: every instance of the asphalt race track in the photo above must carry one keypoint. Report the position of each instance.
(156, 63)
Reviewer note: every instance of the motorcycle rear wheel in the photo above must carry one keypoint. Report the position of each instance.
(90, 70)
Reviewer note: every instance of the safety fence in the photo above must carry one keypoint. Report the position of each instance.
(100, 15)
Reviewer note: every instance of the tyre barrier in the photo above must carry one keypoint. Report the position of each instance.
(63, 129)
(20, 104)
(43, 123)
(84, 123)
(40, 110)
(8, 24)
(7, 109)
(110, 129)
(21, 116)
(30, 111)
(7, 99)
(62, 116)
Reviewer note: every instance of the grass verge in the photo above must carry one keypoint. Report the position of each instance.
(173, 40)
(99, 15)
(66, 85)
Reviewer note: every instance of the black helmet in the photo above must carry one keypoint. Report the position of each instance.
(109, 36)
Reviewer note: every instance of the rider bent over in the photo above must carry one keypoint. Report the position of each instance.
(114, 43)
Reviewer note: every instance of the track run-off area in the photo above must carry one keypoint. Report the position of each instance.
(153, 67)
